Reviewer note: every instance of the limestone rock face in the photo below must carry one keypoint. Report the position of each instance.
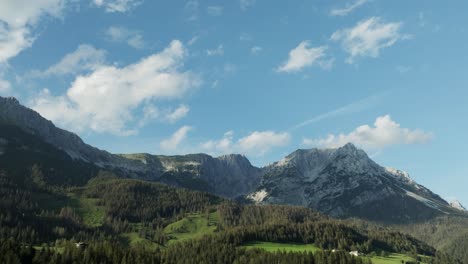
(345, 182)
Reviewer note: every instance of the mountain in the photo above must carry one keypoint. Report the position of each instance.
(345, 182)
(340, 182)
(457, 205)
(228, 176)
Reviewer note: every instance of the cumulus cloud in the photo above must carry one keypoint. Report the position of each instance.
(219, 51)
(84, 58)
(350, 7)
(303, 56)
(258, 143)
(120, 6)
(105, 100)
(124, 35)
(18, 19)
(214, 10)
(384, 133)
(368, 38)
(246, 4)
(172, 143)
(261, 142)
(225, 145)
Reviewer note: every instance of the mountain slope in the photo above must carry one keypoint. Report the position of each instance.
(228, 176)
(346, 182)
(341, 182)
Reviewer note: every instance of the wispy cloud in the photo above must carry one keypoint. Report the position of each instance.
(214, 10)
(354, 107)
(368, 37)
(218, 51)
(303, 56)
(120, 6)
(84, 58)
(192, 10)
(246, 4)
(172, 143)
(122, 34)
(350, 7)
(193, 40)
(256, 49)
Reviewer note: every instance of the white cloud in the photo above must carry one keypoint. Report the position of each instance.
(193, 40)
(384, 133)
(5, 86)
(105, 100)
(261, 142)
(152, 112)
(225, 145)
(177, 114)
(368, 38)
(257, 143)
(350, 7)
(353, 107)
(214, 10)
(219, 51)
(303, 56)
(120, 6)
(17, 21)
(256, 49)
(122, 34)
(172, 144)
(246, 4)
(84, 58)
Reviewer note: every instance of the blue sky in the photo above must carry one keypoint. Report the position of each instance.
(257, 77)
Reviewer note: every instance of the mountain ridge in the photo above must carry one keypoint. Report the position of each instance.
(341, 182)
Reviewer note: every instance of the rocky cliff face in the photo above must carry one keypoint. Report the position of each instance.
(12, 112)
(346, 182)
(228, 176)
(457, 205)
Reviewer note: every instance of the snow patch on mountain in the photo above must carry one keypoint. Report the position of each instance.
(457, 205)
(258, 196)
(399, 174)
(426, 201)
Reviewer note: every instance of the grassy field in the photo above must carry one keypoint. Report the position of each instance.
(192, 226)
(272, 247)
(393, 258)
(135, 240)
(92, 214)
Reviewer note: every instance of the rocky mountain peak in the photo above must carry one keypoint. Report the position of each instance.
(457, 205)
(235, 159)
(345, 181)
(9, 100)
(400, 175)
